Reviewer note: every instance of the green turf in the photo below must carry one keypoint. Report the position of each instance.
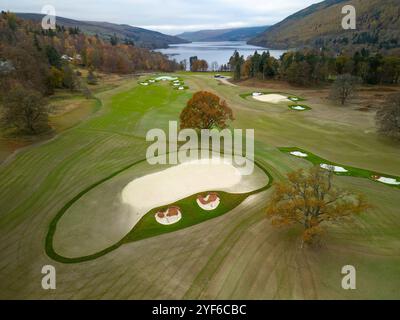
(352, 171)
(237, 255)
(148, 227)
(170, 82)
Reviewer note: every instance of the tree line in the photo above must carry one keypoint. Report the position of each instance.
(310, 67)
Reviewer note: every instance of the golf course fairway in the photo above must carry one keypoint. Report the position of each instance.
(231, 253)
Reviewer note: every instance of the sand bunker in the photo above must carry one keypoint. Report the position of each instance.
(390, 181)
(104, 215)
(294, 99)
(299, 154)
(208, 203)
(144, 83)
(166, 78)
(300, 108)
(333, 168)
(272, 98)
(179, 182)
(171, 216)
(181, 88)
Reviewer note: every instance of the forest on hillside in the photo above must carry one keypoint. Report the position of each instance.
(44, 60)
(319, 26)
(35, 62)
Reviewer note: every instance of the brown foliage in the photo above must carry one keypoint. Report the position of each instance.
(199, 65)
(311, 199)
(23, 44)
(205, 111)
(25, 110)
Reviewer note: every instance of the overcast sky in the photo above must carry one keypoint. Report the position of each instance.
(169, 16)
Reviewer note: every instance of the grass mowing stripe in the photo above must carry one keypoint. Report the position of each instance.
(224, 248)
(204, 276)
(53, 225)
(58, 171)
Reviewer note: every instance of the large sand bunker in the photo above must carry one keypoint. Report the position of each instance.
(179, 182)
(166, 78)
(271, 98)
(106, 214)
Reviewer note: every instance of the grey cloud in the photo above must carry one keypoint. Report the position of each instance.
(169, 16)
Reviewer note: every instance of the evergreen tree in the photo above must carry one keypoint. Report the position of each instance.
(53, 56)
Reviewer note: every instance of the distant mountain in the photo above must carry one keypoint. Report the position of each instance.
(141, 37)
(234, 34)
(320, 25)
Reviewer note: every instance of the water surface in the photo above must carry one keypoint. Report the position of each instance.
(219, 52)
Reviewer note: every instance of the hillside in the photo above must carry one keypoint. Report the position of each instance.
(141, 37)
(236, 34)
(320, 25)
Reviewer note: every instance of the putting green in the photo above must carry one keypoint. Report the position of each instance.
(177, 83)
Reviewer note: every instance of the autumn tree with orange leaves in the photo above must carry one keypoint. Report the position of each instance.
(311, 200)
(206, 111)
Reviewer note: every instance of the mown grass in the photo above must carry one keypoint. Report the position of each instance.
(69, 119)
(238, 255)
(11, 140)
(352, 171)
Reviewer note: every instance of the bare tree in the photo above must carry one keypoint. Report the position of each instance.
(388, 117)
(214, 66)
(184, 64)
(344, 88)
